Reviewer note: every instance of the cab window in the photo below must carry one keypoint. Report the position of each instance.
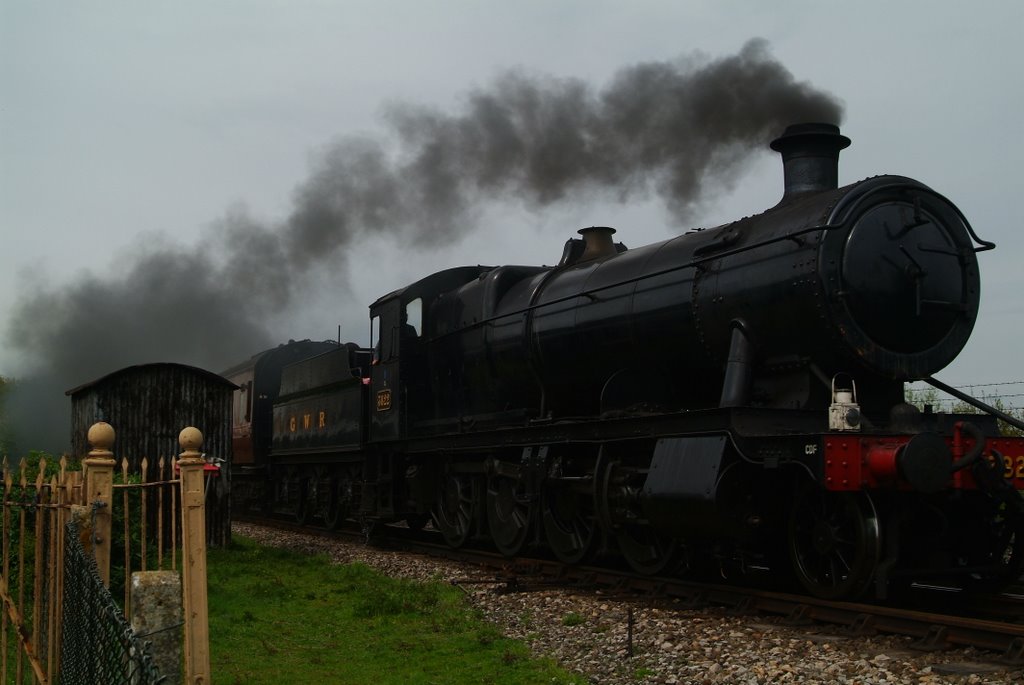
(414, 315)
(375, 338)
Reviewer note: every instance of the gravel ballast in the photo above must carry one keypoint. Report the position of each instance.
(589, 633)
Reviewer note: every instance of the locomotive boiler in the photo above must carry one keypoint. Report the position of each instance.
(730, 397)
(877, 280)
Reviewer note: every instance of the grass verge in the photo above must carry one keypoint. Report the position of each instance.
(278, 617)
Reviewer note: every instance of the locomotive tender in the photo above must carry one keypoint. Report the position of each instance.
(731, 396)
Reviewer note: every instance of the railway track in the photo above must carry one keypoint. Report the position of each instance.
(994, 623)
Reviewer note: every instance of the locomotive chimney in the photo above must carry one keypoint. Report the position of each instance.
(810, 157)
(597, 241)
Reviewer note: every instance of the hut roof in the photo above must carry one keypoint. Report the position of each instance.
(146, 368)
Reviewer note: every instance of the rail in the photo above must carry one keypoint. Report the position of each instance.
(937, 619)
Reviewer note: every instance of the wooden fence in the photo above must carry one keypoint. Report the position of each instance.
(158, 520)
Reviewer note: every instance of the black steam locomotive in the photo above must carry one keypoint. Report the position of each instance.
(732, 396)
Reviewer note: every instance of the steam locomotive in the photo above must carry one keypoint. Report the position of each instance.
(730, 397)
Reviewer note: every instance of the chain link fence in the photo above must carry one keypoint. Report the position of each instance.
(98, 645)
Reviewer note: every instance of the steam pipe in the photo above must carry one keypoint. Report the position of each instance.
(979, 446)
(738, 368)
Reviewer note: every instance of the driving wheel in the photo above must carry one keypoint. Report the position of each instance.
(570, 525)
(647, 550)
(509, 510)
(455, 507)
(834, 542)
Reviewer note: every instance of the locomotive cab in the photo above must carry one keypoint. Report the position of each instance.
(402, 329)
(396, 339)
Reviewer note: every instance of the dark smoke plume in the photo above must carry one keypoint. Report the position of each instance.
(680, 129)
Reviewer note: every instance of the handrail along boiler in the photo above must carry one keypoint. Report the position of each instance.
(731, 397)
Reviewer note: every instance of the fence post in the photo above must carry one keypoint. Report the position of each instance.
(156, 607)
(193, 548)
(99, 486)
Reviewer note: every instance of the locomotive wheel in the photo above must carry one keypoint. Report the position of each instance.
(998, 543)
(339, 504)
(834, 543)
(569, 523)
(455, 508)
(646, 550)
(509, 513)
(302, 507)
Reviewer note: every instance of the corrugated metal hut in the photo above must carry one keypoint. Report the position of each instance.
(148, 405)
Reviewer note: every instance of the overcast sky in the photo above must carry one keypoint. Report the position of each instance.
(127, 125)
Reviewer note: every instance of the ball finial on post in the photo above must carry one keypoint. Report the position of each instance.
(101, 437)
(190, 439)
